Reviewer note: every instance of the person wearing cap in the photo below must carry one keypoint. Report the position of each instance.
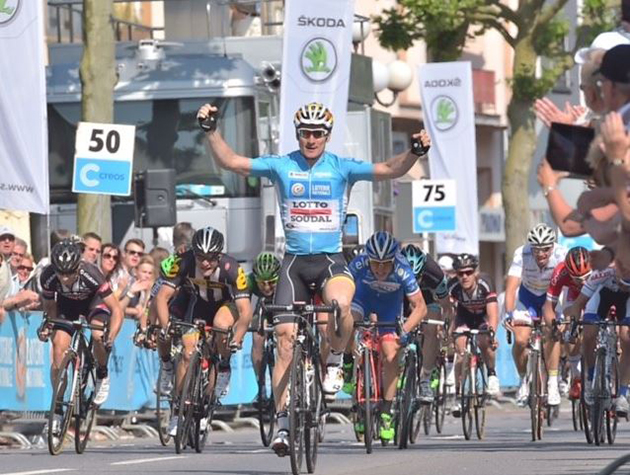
(7, 241)
(446, 263)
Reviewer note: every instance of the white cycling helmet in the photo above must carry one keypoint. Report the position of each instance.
(313, 115)
(541, 235)
(207, 240)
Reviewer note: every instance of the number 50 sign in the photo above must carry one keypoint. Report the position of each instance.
(103, 159)
(434, 203)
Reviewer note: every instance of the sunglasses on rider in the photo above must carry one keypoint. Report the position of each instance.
(307, 133)
(65, 274)
(465, 273)
(210, 257)
(542, 250)
(377, 263)
(268, 283)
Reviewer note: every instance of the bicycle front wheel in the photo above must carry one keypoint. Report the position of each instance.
(85, 412)
(365, 391)
(62, 404)
(481, 388)
(439, 405)
(611, 414)
(600, 399)
(297, 410)
(266, 404)
(314, 415)
(187, 403)
(536, 409)
(585, 414)
(467, 399)
(408, 401)
(163, 409)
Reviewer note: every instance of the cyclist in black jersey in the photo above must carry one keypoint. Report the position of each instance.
(211, 286)
(72, 288)
(476, 307)
(261, 282)
(434, 286)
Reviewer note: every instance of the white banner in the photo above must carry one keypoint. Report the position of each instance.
(23, 125)
(447, 102)
(316, 64)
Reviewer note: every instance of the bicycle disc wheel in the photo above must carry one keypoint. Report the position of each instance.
(466, 398)
(611, 414)
(585, 412)
(481, 388)
(266, 404)
(408, 400)
(62, 403)
(85, 412)
(599, 397)
(314, 415)
(187, 403)
(163, 410)
(439, 405)
(297, 410)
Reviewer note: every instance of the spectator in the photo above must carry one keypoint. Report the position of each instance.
(24, 270)
(446, 264)
(158, 254)
(134, 250)
(111, 267)
(137, 297)
(19, 249)
(7, 242)
(182, 237)
(92, 243)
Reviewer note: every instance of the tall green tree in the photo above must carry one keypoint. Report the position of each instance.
(535, 29)
(98, 78)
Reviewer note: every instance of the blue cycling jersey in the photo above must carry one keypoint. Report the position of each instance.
(382, 297)
(313, 199)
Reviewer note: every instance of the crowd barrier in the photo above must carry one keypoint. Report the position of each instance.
(25, 369)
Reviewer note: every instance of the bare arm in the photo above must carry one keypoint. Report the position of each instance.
(223, 154)
(418, 312)
(400, 164)
(161, 304)
(559, 208)
(116, 320)
(244, 307)
(511, 286)
(549, 311)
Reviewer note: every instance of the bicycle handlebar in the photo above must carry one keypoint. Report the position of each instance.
(301, 308)
(79, 323)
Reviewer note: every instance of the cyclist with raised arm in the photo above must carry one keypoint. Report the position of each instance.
(525, 293)
(570, 274)
(384, 278)
(209, 285)
(262, 282)
(434, 286)
(71, 288)
(476, 308)
(312, 186)
(596, 300)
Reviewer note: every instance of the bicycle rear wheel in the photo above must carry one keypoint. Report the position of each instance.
(611, 414)
(187, 403)
(408, 400)
(467, 399)
(481, 387)
(63, 402)
(297, 409)
(599, 399)
(85, 412)
(266, 404)
(163, 410)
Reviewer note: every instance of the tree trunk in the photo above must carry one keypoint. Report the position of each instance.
(98, 78)
(515, 186)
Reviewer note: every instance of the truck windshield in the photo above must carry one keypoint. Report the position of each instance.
(167, 136)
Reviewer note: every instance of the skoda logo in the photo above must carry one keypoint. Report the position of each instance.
(297, 189)
(318, 59)
(444, 113)
(8, 10)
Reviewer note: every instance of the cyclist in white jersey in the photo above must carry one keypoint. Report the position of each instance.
(312, 186)
(525, 292)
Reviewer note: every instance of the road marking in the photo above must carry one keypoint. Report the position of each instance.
(156, 459)
(36, 472)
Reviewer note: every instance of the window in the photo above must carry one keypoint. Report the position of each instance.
(167, 136)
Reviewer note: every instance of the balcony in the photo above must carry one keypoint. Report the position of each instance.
(483, 92)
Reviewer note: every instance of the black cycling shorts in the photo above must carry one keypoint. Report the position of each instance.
(99, 314)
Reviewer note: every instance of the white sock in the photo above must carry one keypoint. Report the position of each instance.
(334, 359)
(574, 365)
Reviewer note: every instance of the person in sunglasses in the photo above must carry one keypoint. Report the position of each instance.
(434, 286)
(312, 188)
(525, 293)
(571, 274)
(262, 283)
(73, 287)
(384, 279)
(476, 307)
(203, 283)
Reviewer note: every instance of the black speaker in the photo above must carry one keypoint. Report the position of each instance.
(155, 198)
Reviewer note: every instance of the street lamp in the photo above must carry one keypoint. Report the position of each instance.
(396, 77)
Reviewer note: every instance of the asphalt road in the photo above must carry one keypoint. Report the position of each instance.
(507, 449)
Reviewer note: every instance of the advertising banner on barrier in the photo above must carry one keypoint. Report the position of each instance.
(447, 101)
(23, 129)
(316, 64)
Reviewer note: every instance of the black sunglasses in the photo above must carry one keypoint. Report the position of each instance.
(462, 273)
(306, 133)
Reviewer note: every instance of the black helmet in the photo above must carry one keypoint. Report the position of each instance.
(207, 241)
(66, 256)
(464, 261)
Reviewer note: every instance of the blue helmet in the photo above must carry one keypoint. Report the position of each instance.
(381, 246)
(416, 257)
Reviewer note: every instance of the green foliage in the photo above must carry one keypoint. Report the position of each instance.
(549, 38)
(598, 16)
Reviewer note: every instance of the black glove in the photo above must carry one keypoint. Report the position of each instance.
(209, 124)
(417, 148)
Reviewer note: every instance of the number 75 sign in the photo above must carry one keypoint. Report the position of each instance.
(103, 159)
(434, 203)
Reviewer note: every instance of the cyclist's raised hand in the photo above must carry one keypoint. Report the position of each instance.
(207, 117)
